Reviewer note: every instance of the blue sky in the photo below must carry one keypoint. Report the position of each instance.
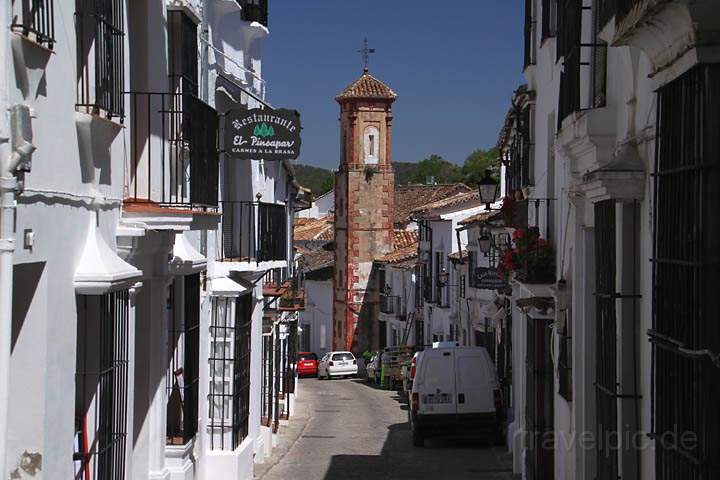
(453, 63)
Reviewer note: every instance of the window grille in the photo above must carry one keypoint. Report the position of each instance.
(578, 54)
(685, 277)
(539, 417)
(101, 386)
(182, 53)
(229, 391)
(291, 357)
(100, 29)
(36, 20)
(472, 264)
(184, 346)
(605, 337)
(565, 359)
(529, 34)
(272, 232)
(462, 285)
(549, 18)
(267, 390)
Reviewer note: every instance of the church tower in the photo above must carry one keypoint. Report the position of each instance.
(364, 196)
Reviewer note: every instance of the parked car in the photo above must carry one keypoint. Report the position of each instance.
(307, 364)
(373, 368)
(337, 364)
(409, 373)
(455, 390)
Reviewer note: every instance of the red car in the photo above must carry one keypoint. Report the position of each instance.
(307, 364)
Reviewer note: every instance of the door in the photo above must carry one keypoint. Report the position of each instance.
(475, 381)
(437, 385)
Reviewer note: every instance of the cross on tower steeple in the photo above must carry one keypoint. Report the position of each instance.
(365, 52)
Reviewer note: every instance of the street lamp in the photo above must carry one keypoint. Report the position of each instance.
(443, 277)
(485, 242)
(488, 188)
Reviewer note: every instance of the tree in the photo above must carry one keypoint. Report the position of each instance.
(327, 184)
(439, 168)
(477, 162)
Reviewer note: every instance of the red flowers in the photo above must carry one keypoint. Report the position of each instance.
(532, 255)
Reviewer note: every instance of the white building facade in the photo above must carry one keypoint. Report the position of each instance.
(606, 154)
(132, 336)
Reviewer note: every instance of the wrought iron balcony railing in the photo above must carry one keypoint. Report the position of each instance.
(99, 26)
(390, 304)
(35, 20)
(253, 232)
(173, 150)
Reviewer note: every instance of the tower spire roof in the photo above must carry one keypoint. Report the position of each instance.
(367, 87)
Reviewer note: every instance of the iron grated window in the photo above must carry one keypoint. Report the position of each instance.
(565, 359)
(549, 18)
(686, 267)
(182, 376)
(36, 20)
(229, 390)
(605, 337)
(100, 30)
(530, 50)
(101, 386)
(578, 54)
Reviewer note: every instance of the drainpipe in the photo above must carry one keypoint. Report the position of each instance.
(7, 206)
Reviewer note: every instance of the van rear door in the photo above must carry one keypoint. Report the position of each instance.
(475, 381)
(435, 383)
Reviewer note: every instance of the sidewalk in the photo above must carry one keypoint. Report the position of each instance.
(288, 433)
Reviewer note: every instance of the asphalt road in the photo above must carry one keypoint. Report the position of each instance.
(350, 430)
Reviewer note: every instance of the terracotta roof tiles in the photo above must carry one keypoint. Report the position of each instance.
(367, 86)
(410, 197)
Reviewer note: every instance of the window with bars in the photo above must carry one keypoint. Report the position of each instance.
(101, 386)
(549, 18)
(580, 51)
(184, 345)
(605, 337)
(100, 30)
(686, 269)
(472, 264)
(182, 53)
(462, 286)
(35, 19)
(520, 150)
(565, 357)
(530, 49)
(229, 389)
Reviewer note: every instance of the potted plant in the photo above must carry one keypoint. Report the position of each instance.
(531, 260)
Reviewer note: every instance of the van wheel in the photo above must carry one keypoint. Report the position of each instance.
(418, 439)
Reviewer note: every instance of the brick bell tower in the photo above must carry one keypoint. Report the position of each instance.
(364, 196)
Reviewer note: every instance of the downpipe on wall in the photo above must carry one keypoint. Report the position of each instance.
(16, 149)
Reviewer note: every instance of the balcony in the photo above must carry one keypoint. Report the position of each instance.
(292, 301)
(254, 11)
(253, 233)
(173, 151)
(35, 21)
(390, 304)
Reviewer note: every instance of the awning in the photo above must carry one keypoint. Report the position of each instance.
(186, 260)
(224, 287)
(100, 269)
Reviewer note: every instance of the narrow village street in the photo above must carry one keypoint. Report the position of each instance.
(348, 429)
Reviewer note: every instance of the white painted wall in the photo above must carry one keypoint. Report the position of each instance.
(318, 315)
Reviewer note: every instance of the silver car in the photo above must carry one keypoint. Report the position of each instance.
(337, 364)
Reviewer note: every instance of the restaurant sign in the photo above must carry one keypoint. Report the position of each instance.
(489, 279)
(265, 134)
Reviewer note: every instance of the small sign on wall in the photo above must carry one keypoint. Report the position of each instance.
(262, 134)
(488, 279)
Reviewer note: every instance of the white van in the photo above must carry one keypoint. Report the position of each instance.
(455, 391)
